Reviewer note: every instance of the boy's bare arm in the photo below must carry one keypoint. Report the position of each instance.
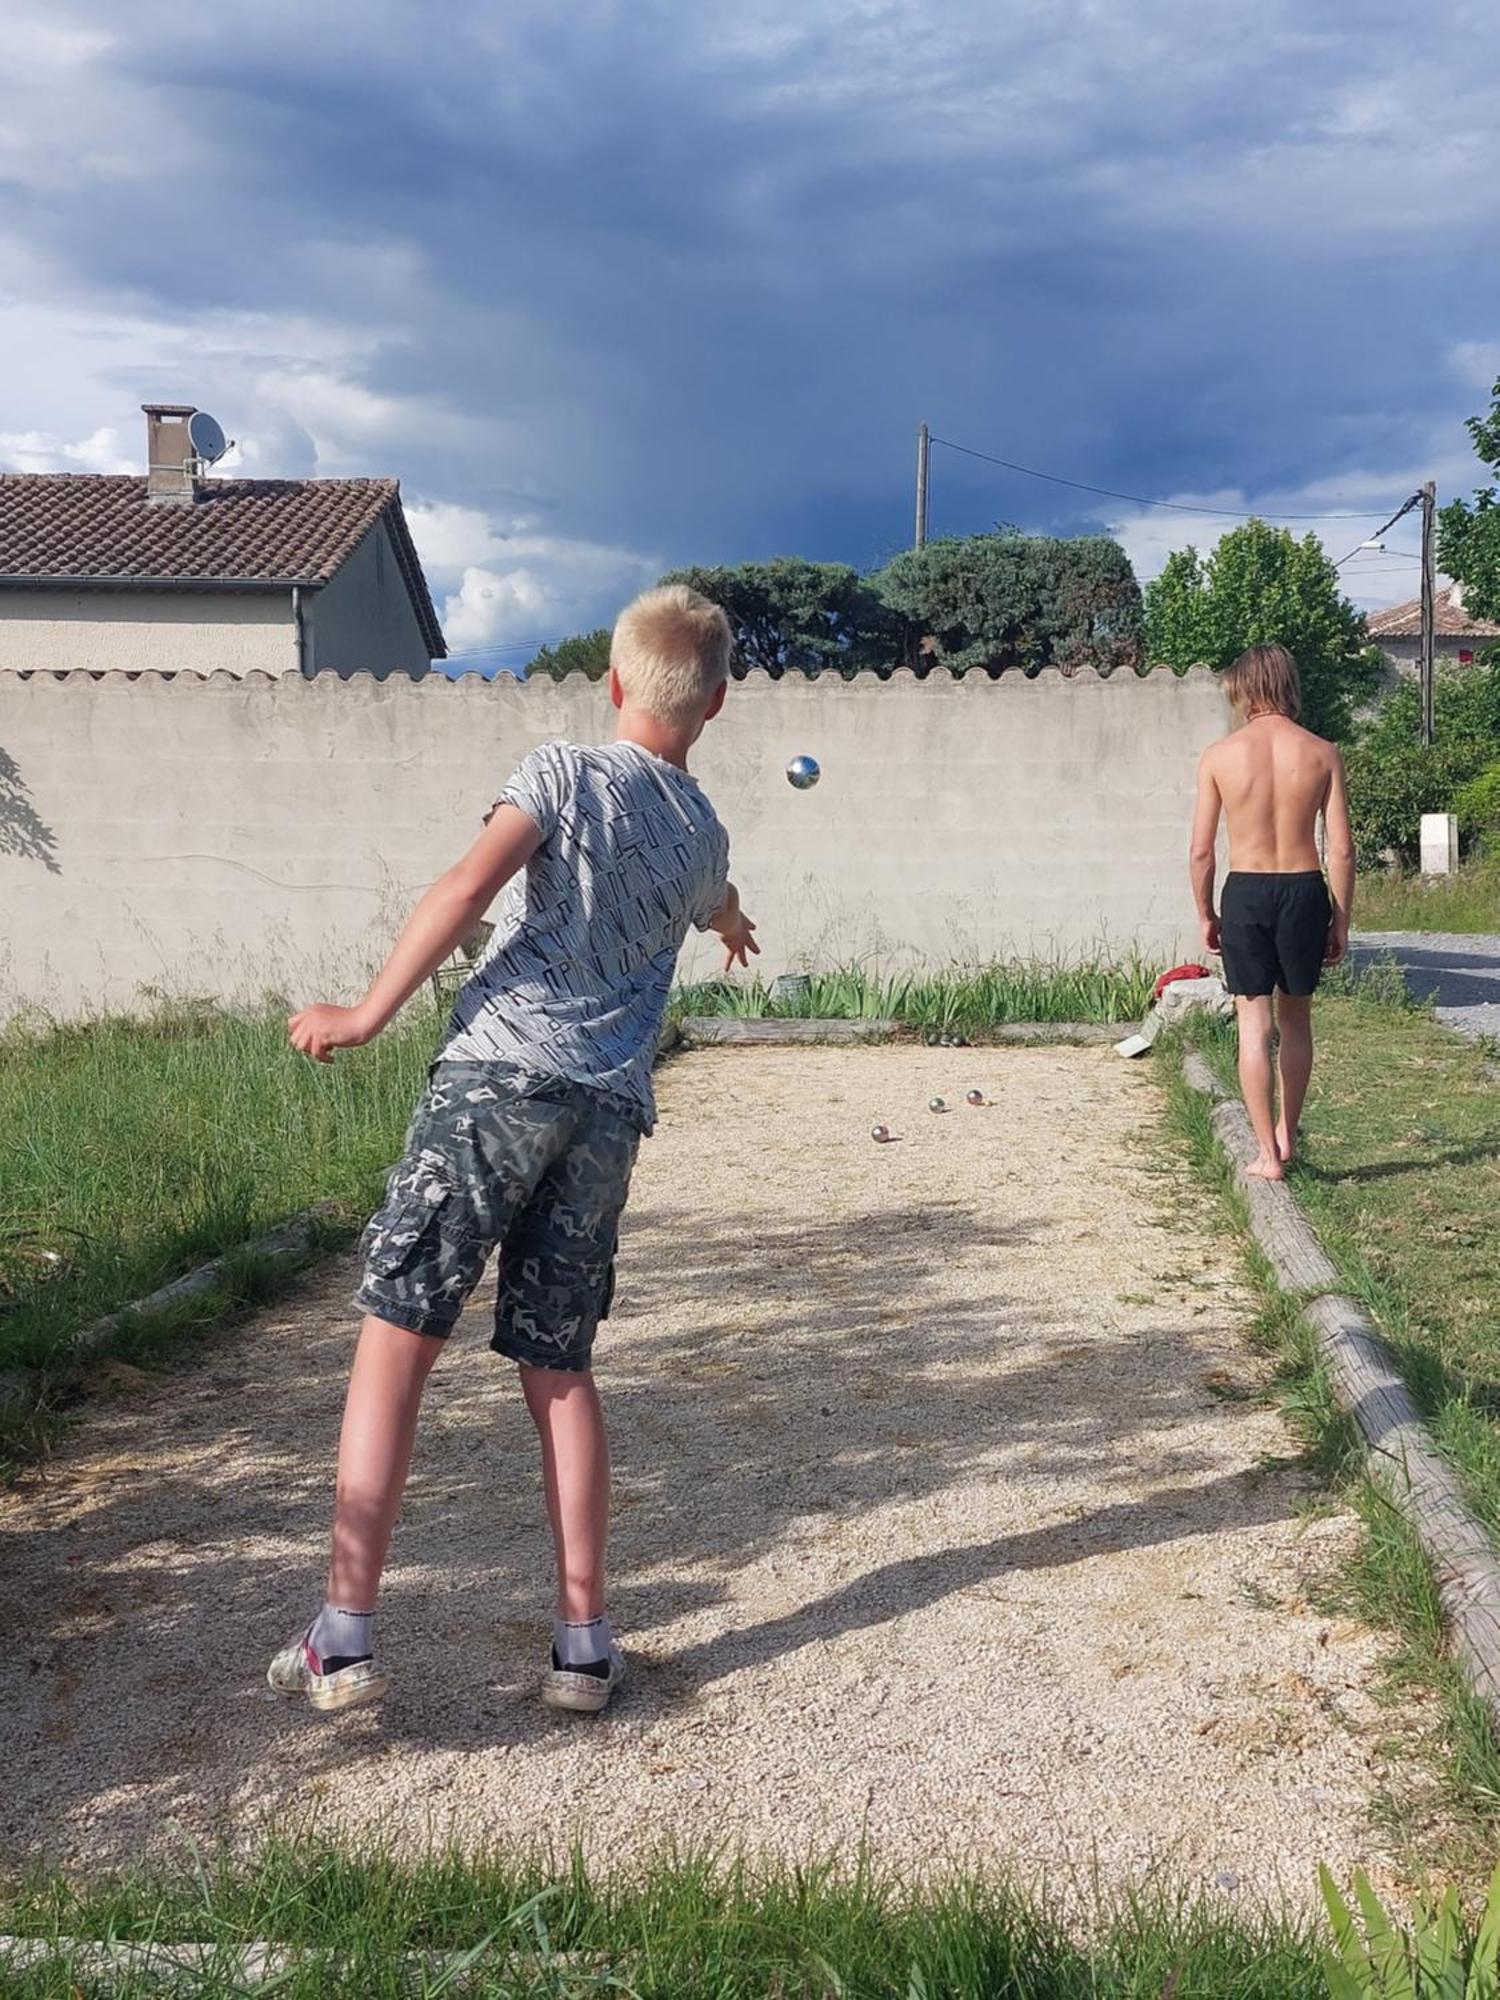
(1339, 842)
(1201, 851)
(735, 928)
(445, 915)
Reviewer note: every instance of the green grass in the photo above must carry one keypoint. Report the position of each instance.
(133, 1150)
(962, 1001)
(1466, 901)
(1400, 1174)
(676, 1928)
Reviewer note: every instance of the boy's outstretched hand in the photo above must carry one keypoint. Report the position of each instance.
(739, 942)
(318, 1031)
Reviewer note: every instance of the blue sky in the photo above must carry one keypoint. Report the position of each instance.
(612, 288)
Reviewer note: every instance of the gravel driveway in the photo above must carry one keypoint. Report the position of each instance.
(1459, 973)
(943, 1519)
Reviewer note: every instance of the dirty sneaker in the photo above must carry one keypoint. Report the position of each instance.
(297, 1673)
(584, 1690)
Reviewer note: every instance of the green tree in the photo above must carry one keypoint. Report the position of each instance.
(1394, 777)
(1261, 585)
(585, 653)
(1469, 536)
(1013, 600)
(791, 616)
(1179, 621)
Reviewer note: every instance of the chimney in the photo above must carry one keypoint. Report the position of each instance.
(169, 455)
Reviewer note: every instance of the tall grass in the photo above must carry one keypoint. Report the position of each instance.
(963, 1000)
(1467, 901)
(131, 1150)
(674, 1928)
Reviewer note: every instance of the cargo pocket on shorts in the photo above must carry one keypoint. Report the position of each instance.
(416, 1198)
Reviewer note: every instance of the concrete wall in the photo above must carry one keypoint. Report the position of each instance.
(1403, 657)
(362, 620)
(145, 631)
(229, 836)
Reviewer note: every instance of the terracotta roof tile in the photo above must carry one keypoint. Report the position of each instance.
(64, 526)
(1449, 619)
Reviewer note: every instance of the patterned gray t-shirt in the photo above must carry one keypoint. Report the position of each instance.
(576, 977)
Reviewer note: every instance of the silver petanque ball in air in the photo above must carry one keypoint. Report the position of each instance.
(880, 1134)
(803, 773)
(975, 1097)
(936, 1104)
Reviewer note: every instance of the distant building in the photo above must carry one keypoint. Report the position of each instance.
(1457, 638)
(181, 571)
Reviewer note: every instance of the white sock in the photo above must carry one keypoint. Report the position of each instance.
(581, 1642)
(342, 1635)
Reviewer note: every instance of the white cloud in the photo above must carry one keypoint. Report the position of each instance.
(45, 451)
(536, 590)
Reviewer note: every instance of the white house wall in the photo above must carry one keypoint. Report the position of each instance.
(362, 621)
(144, 631)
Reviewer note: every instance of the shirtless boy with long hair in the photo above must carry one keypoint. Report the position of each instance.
(1279, 920)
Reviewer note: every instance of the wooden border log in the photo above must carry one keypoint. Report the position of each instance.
(1280, 1228)
(292, 1239)
(1401, 1457)
(771, 1031)
(1418, 1481)
(711, 1030)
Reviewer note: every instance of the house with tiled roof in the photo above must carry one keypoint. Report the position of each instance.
(1458, 637)
(180, 571)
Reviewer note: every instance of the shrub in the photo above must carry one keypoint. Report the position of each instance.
(1477, 804)
(791, 616)
(585, 653)
(1394, 778)
(1391, 785)
(1012, 600)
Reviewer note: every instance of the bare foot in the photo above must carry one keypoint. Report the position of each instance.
(1264, 1168)
(1286, 1144)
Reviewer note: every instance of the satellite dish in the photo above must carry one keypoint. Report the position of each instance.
(206, 438)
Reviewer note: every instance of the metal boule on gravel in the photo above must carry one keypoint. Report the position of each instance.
(975, 1097)
(936, 1104)
(802, 773)
(880, 1134)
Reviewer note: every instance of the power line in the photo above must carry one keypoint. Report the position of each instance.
(1406, 506)
(1143, 499)
(505, 646)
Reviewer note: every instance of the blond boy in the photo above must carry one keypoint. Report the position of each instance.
(526, 1135)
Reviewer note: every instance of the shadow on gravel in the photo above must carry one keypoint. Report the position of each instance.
(1456, 978)
(145, 1580)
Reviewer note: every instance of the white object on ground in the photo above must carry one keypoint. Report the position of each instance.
(1183, 996)
(1439, 841)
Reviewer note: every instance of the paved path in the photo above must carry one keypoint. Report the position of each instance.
(1460, 974)
(948, 1515)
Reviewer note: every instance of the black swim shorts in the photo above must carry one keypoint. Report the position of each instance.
(1273, 932)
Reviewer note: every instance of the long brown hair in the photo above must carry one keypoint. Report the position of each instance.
(1264, 679)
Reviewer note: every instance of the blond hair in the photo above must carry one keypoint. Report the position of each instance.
(671, 651)
(1264, 680)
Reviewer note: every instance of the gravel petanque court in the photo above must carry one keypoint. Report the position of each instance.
(943, 1521)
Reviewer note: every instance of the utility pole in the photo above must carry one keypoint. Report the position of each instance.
(922, 443)
(1429, 512)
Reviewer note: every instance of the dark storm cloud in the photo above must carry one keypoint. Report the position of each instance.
(680, 282)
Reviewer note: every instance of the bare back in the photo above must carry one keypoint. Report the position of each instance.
(1273, 778)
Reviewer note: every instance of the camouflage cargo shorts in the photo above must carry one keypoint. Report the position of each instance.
(536, 1167)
